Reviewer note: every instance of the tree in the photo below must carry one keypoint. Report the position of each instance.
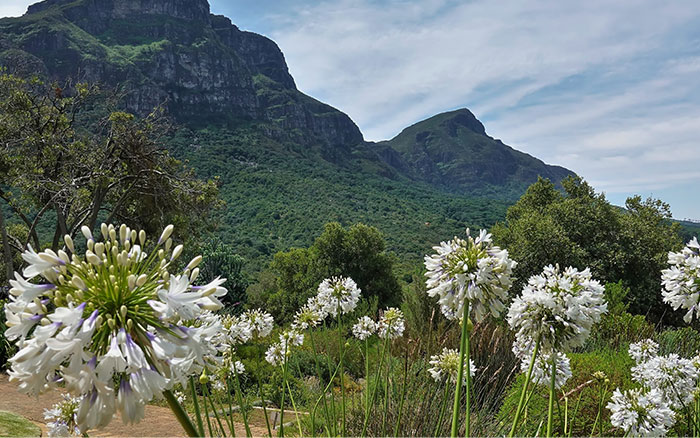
(69, 158)
(582, 229)
(358, 252)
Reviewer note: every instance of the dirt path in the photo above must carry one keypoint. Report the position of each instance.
(159, 421)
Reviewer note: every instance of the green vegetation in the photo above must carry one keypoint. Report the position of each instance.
(12, 425)
(582, 229)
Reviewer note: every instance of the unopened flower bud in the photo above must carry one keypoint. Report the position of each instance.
(194, 275)
(123, 310)
(176, 252)
(78, 282)
(168, 244)
(204, 379)
(112, 235)
(111, 323)
(105, 231)
(122, 233)
(131, 280)
(99, 249)
(45, 321)
(194, 263)
(142, 237)
(141, 280)
(161, 254)
(90, 244)
(86, 232)
(166, 234)
(129, 324)
(69, 243)
(63, 256)
(99, 321)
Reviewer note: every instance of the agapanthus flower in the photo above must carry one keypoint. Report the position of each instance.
(338, 294)
(261, 323)
(681, 281)
(237, 367)
(673, 376)
(473, 270)
(113, 325)
(61, 418)
(288, 340)
(309, 316)
(542, 369)
(180, 396)
(391, 324)
(446, 365)
(644, 350)
(364, 328)
(558, 308)
(640, 412)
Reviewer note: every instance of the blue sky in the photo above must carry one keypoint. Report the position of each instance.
(610, 90)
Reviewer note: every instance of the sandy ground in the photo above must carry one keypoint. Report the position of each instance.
(158, 422)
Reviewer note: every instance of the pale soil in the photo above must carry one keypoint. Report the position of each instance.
(159, 421)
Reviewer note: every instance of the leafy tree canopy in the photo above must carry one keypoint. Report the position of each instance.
(581, 228)
(357, 252)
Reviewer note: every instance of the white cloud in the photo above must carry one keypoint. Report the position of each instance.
(14, 8)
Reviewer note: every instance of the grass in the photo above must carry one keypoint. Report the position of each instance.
(16, 425)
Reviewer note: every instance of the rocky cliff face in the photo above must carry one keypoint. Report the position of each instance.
(174, 52)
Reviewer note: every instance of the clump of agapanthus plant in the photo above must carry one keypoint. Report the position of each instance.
(640, 412)
(554, 313)
(681, 281)
(61, 418)
(114, 325)
(470, 277)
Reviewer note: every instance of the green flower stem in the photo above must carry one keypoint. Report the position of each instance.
(284, 382)
(342, 370)
(210, 398)
(180, 414)
(442, 408)
(323, 394)
(240, 402)
(206, 409)
(468, 389)
(552, 396)
(386, 389)
(197, 412)
(334, 414)
(460, 371)
(403, 394)
(376, 384)
(367, 374)
(320, 379)
(264, 406)
(521, 403)
(229, 417)
(296, 411)
(573, 417)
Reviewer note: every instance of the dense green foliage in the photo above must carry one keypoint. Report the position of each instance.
(582, 229)
(13, 425)
(357, 252)
(220, 260)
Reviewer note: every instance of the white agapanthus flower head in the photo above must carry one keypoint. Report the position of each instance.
(471, 269)
(446, 366)
(640, 412)
(558, 308)
(310, 315)
(338, 294)
(644, 350)
(261, 323)
(542, 369)
(278, 352)
(364, 328)
(114, 325)
(61, 418)
(391, 324)
(681, 281)
(673, 376)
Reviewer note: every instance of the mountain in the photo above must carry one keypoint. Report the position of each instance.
(287, 163)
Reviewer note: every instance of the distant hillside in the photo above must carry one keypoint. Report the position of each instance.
(287, 163)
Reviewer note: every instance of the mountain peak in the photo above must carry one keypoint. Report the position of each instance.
(182, 9)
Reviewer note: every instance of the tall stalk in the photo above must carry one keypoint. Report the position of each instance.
(284, 382)
(240, 402)
(180, 414)
(460, 371)
(552, 395)
(403, 394)
(320, 380)
(523, 394)
(376, 384)
(442, 408)
(342, 370)
(197, 412)
(386, 390)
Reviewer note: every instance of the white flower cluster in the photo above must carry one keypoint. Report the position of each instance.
(681, 281)
(364, 328)
(337, 294)
(113, 325)
(279, 352)
(640, 412)
(558, 308)
(61, 418)
(643, 351)
(673, 376)
(472, 270)
(446, 365)
(391, 324)
(542, 369)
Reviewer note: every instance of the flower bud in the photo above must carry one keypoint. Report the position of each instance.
(204, 379)
(131, 280)
(194, 263)
(127, 245)
(69, 243)
(99, 321)
(112, 235)
(111, 323)
(86, 232)
(166, 234)
(194, 275)
(122, 311)
(123, 233)
(141, 280)
(176, 252)
(90, 244)
(129, 324)
(161, 254)
(142, 237)
(168, 244)
(79, 283)
(99, 249)
(45, 321)
(105, 231)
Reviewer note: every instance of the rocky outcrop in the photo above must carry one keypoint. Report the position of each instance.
(172, 52)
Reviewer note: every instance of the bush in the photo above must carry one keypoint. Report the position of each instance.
(683, 341)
